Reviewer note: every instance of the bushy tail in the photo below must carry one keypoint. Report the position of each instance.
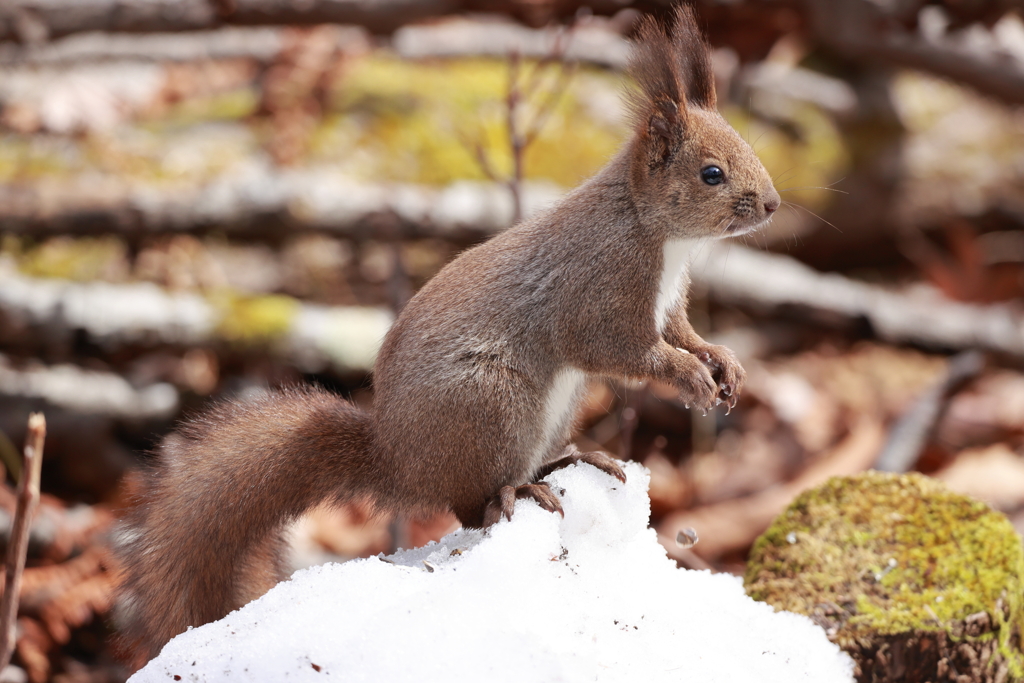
(206, 535)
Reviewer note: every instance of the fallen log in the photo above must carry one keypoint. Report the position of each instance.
(916, 315)
(91, 392)
(116, 315)
(259, 198)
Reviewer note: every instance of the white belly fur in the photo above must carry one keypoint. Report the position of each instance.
(675, 262)
(559, 409)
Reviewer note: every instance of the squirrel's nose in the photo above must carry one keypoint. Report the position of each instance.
(772, 203)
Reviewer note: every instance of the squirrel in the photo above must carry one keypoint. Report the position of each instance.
(477, 383)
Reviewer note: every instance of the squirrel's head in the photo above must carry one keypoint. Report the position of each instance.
(690, 171)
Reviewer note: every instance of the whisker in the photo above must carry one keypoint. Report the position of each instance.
(812, 187)
(721, 232)
(750, 107)
(753, 145)
(704, 242)
(778, 179)
(826, 186)
(798, 206)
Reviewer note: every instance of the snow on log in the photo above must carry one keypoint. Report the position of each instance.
(91, 392)
(114, 315)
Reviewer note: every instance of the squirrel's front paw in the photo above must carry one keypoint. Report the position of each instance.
(730, 375)
(697, 387)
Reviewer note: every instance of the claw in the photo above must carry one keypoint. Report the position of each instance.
(541, 493)
(507, 501)
(601, 461)
(504, 503)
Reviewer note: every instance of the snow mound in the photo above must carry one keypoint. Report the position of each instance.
(591, 597)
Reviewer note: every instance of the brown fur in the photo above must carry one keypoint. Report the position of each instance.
(477, 381)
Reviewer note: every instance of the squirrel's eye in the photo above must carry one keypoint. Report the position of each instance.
(712, 175)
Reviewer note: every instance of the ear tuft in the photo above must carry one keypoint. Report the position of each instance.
(671, 64)
(693, 55)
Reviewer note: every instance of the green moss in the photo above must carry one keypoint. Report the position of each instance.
(254, 320)
(893, 554)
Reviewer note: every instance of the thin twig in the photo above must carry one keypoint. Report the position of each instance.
(17, 546)
(558, 90)
(523, 85)
(516, 140)
(911, 432)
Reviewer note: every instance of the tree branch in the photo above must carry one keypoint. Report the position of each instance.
(28, 497)
(852, 29)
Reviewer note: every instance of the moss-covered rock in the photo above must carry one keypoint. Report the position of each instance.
(918, 583)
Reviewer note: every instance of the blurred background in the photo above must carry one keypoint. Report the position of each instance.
(204, 198)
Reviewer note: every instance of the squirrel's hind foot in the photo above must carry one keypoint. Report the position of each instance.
(598, 459)
(504, 503)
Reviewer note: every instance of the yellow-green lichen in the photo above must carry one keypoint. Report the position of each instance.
(419, 121)
(894, 554)
(27, 158)
(254, 320)
(80, 259)
(223, 106)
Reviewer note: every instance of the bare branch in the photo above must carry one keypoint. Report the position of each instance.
(512, 101)
(28, 498)
(994, 75)
(485, 162)
(910, 434)
(555, 95)
(851, 28)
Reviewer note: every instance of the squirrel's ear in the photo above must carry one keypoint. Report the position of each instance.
(665, 125)
(693, 55)
(672, 67)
